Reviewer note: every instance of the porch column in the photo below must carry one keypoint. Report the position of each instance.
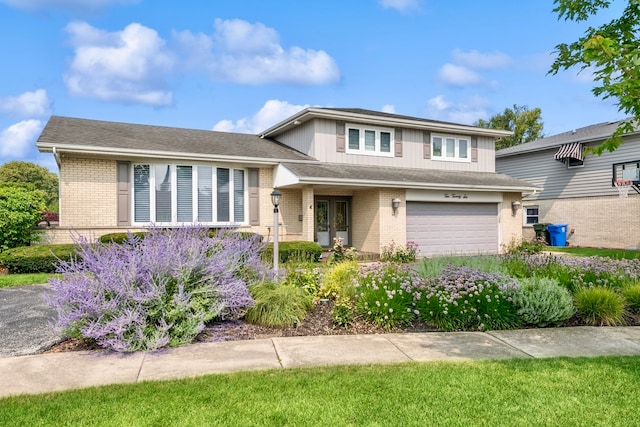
(308, 217)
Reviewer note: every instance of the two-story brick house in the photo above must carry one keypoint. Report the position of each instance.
(368, 177)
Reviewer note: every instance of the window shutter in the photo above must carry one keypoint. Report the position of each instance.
(124, 199)
(474, 148)
(340, 145)
(254, 196)
(426, 144)
(398, 142)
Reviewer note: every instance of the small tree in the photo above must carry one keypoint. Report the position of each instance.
(525, 124)
(20, 210)
(30, 173)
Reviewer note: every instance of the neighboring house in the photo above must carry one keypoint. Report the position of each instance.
(578, 189)
(369, 178)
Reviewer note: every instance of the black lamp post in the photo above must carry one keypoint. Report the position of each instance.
(275, 200)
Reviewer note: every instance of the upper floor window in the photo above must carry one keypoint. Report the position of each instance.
(369, 140)
(167, 193)
(451, 148)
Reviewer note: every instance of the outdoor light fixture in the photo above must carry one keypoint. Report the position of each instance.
(395, 204)
(275, 199)
(515, 206)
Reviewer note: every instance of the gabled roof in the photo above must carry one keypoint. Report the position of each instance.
(378, 118)
(592, 133)
(338, 174)
(124, 139)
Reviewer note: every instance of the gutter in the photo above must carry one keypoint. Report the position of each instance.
(56, 156)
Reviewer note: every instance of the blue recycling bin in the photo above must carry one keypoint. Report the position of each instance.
(558, 234)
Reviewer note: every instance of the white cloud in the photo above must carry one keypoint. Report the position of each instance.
(403, 6)
(388, 108)
(17, 139)
(271, 113)
(247, 53)
(81, 5)
(457, 75)
(478, 60)
(27, 104)
(467, 111)
(127, 65)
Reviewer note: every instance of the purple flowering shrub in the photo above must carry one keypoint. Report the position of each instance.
(159, 291)
(384, 294)
(463, 298)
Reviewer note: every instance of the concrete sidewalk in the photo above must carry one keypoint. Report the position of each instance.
(65, 371)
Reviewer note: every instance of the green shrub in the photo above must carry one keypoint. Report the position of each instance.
(298, 251)
(338, 281)
(384, 294)
(21, 209)
(303, 275)
(342, 312)
(542, 301)
(119, 238)
(396, 253)
(600, 306)
(632, 295)
(527, 246)
(36, 259)
(339, 253)
(278, 305)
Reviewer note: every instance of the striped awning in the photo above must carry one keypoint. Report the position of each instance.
(573, 150)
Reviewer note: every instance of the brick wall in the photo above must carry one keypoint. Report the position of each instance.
(511, 225)
(609, 222)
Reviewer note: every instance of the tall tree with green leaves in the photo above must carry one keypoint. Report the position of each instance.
(525, 124)
(611, 53)
(30, 173)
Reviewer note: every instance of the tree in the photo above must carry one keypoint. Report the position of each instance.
(21, 207)
(611, 52)
(525, 124)
(40, 177)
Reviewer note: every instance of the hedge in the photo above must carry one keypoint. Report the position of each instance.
(298, 251)
(35, 259)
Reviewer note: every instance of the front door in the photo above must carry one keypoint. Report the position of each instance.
(332, 220)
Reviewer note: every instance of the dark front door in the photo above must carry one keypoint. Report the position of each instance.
(332, 220)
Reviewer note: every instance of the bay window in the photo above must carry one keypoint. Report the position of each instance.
(188, 194)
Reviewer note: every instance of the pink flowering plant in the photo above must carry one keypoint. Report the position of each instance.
(340, 253)
(397, 253)
(384, 294)
(158, 291)
(463, 298)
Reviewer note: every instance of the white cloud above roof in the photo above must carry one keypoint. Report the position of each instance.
(27, 104)
(389, 108)
(458, 75)
(18, 139)
(127, 65)
(271, 113)
(247, 53)
(403, 6)
(467, 111)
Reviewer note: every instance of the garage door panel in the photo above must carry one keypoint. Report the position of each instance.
(453, 228)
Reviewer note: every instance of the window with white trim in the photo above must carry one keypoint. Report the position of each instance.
(451, 148)
(531, 215)
(369, 140)
(178, 193)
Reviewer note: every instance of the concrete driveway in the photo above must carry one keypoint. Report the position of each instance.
(24, 321)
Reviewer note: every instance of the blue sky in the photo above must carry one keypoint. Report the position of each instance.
(244, 65)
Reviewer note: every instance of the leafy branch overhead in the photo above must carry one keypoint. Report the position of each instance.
(611, 53)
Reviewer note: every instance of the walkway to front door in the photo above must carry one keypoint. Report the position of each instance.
(332, 220)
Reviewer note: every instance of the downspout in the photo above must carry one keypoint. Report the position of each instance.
(56, 156)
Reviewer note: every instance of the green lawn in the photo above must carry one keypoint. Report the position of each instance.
(7, 280)
(531, 392)
(611, 253)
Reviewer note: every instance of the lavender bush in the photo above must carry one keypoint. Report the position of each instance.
(159, 291)
(541, 301)
(384, 294)
(463, 298)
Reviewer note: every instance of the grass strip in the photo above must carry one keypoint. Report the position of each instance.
(521, 392)
(9, 280)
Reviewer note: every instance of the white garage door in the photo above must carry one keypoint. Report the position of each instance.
(453, 228)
